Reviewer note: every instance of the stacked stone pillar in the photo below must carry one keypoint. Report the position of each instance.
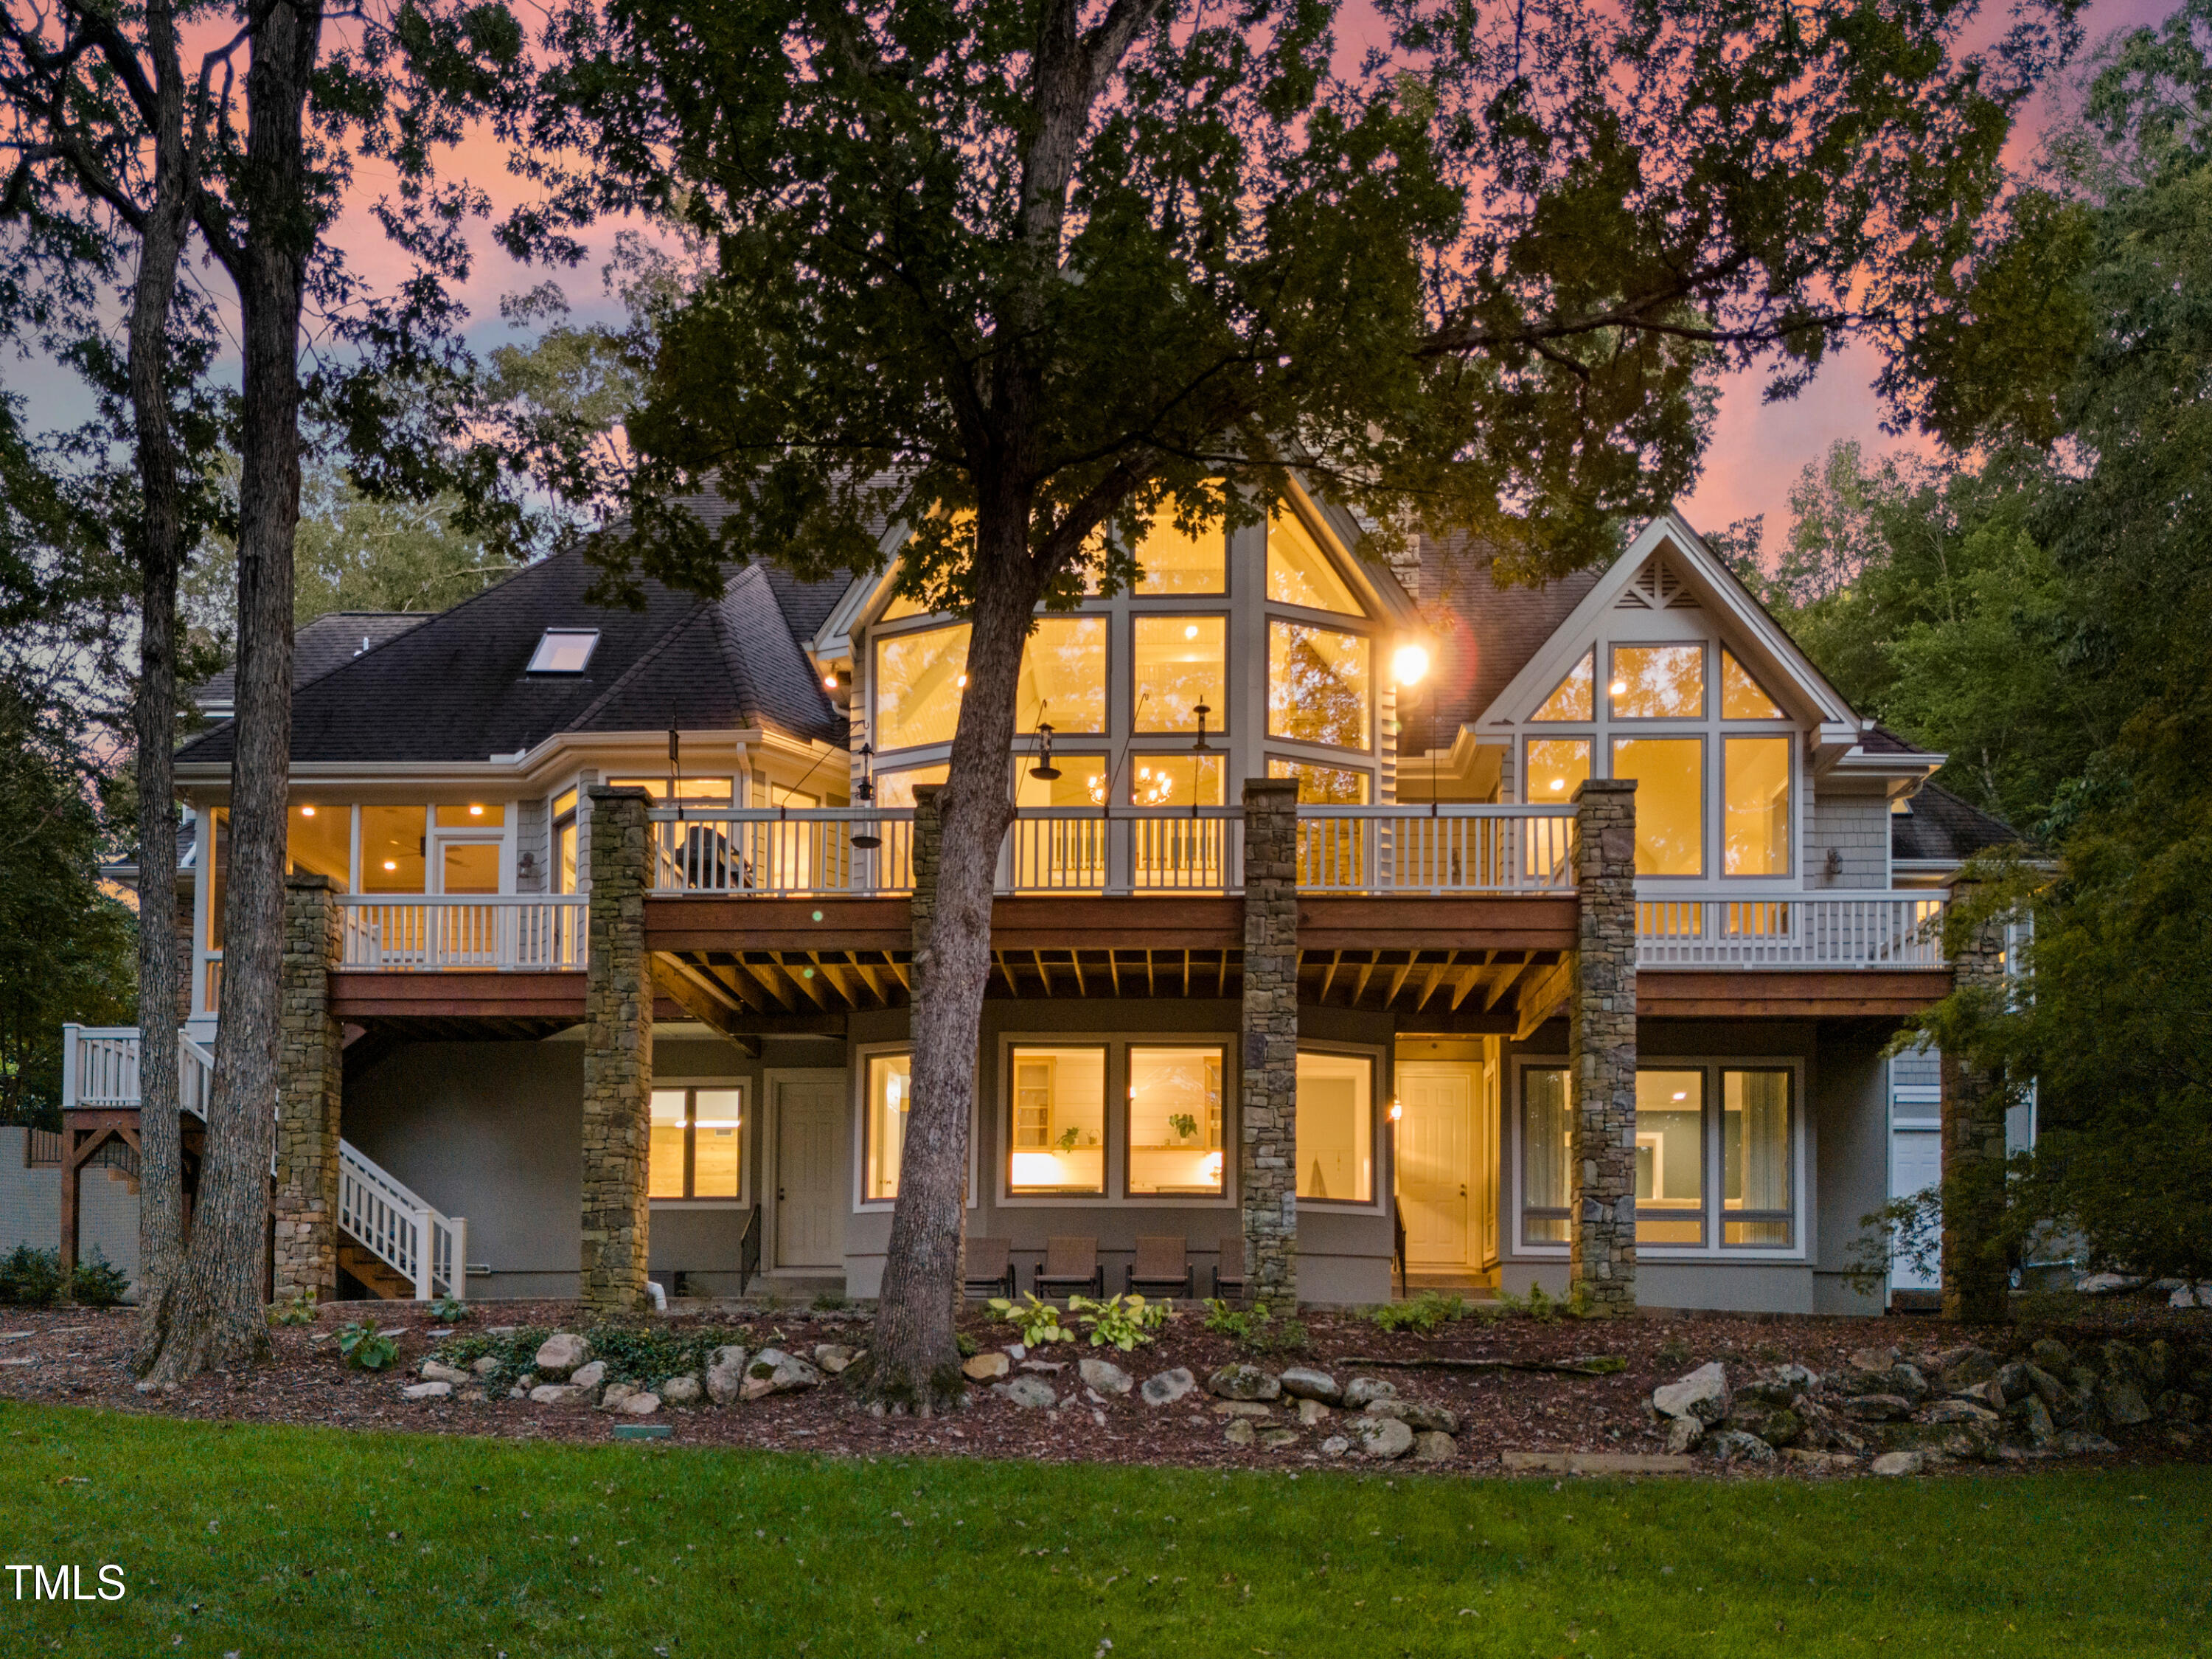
(618, 1055)
(1266, 1162)
(1601, 1049)
(310, 1087)
(1976, 1276)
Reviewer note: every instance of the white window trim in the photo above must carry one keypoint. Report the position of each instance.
(1385, 1091)
(857, 1066)
(1117, 1194)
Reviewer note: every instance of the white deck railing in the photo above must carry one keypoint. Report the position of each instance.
(1436, 849)
(513, 933)
(1814, 930)
(100, 1070)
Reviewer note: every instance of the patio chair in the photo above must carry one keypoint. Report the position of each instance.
(1070, 1265)
(1162, 1266)
(991, 1267)
(1229, 1275)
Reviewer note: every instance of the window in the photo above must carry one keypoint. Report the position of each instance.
(1170, 561)
(393, 845)
(1332, 851)
(468, 867)
(1572, 698)
(564, 841)
(218, 880)
(1546, 1152)
(1081, 782)
(1557, 768)
(1319, 685)
(1670, 802)
(1174, 781)
(1335, 1127)
(564, 651)
(318, 840)
(1658, 682)
(1063, 677)
(1755, 1159)
(1299, 572)
(1742, 698)
(1755, 806)
(1670, 1167)
(695, 792)
(896, 788)
(475, 815)
(1181, 662)
(889, 1095)
(1058, 1140)
(694, 1150)
(1175, 1122)
(919, 680)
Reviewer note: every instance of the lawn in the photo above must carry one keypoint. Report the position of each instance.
(256, 1541)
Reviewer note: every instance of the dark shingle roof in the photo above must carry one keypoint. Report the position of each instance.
(1485, 630)
(1940, 826)
(329, 641)
(457, 689)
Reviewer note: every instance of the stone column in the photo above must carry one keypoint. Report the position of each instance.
(1601, 1049)
(1267, 1161)
(310, 1087)
(618, 1055)
(1977, 1279)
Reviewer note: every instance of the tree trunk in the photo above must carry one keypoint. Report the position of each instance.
(917, 1357)
(160, 536)
(216, 1315)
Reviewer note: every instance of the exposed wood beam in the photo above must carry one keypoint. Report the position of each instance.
(1436, 976)
(1501, 984)
(704, 1001)
(1398, 980)
(1359, 985)
(1038, 957)
(808, 987)
(1075, 960)
(741, 985)
(769, 978)
(1328, 974)
(1467, 976)
(1542, 994)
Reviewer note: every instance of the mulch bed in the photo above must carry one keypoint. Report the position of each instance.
(81, 1358)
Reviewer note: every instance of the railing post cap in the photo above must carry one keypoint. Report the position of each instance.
(1266, 789)
(308, 881)
(598, 791)
(1605, 787)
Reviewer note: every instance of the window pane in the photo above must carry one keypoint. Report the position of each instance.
(1175, 1121)
(706, 792)
(392, 840)
(716, 1134)
(469, 867)
(472, 815)
(1545, 1152)
(1756, 1155)
(1670, 802)
(1557, 768)
(1298, 573)
(664, 1176)
(918, 679)
(1755, 804)
(1742, 696)
(1173, 562)
(1062, 853)
(1335, 1127)
(1572, 699)
(1670, 1178)
(1059, 1141)
(1174, 781)
(1063, 681)
(1658, 681)
(890, 1094)
(1182, 662)
(1081, 782)
(318, 840)
(1318, 684)
(564, 857)
(896, 788)
(218, 880)
(1332, 851)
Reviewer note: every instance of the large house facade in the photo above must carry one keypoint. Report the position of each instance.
(1357, 920)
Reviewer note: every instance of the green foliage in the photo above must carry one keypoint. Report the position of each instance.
(1038, 1322)
(1536, 1306)
(31, 1277)
(967, 1345)
(366, 1348)
(1254, 1328)
(1425, 1314)
(830, 1302)
(300, 1310)
(451, 1310)
(1184, 1124)
(97, 1282)
(650, 1355)
(1121, 1320)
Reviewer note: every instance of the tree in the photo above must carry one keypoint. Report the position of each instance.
(1027, 278)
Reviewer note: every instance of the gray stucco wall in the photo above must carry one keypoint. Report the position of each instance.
(30, 1199)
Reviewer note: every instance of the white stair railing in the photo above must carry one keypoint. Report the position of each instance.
(99, 1069)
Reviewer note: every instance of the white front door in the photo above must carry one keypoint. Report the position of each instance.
(1916, 1163)
(1436, 1161)
(807, 1114)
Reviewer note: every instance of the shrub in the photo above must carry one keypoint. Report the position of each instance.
(830, 1302)
(1427, 1313)
(31, 1279)
(98, 1282)
(1038, 1322)
(366, 1348)
(1253, 1329)
(1122, 1322)
(450, 1310)
(300, 1310)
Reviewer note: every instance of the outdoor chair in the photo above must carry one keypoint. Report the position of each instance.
(1162, 1266)
(1228, 1276)
(991, 1267)
(1070, 1265)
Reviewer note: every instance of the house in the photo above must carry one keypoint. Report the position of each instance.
(1595, 903)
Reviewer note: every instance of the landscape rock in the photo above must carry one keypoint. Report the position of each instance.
(1703, 1394)
(681, 1391)
(986, 1367)
(1049, 1367)
(1959, 1411)
(1239, 1433)
(1777, 1428)
(1431, 1446)
(1168, 1387)
(1899, 1462)
(1104, 1376)
(1031, 1392)
(1244, 1381)
(1990, 1395)
(1279, 1439)
(2107, 1283)
(1382, 1438)
(562, 1352)
(434, 1390)
(1304, 1382)
(2123, 1402)
(1242, 1409)
(643, 1403)
(611, 1397)
(1966, 1367)
(1871, 1361)
(2176, 1407)
(1336, 1446)
(560, 1393)
(784, 1373)
(1878, 1407)
(1735, 1446)
(2200, 1297)
(1417, 1414)
(834, 1357)
(435, 1370)
(1683, 1433)
(2033, 1418)
(1363, 1391)
(2052, 1354)
(2048, 1389)
(485, 1366)
(1311, 1411)
(589, 1377)
(1820, 1463)
(726, 1374)
(2077, 1443)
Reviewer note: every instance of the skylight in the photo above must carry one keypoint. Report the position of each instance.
(564, 651)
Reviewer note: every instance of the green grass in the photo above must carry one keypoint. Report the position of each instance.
(299, 1542)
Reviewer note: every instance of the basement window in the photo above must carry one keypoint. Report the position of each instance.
(564, 651)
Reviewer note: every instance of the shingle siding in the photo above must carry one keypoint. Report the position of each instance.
(1858, 828)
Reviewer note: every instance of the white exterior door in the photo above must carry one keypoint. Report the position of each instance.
(807, 1116)
(1436, 1163)
(1916, 1162)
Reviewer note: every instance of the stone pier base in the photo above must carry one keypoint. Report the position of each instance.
(1266, 1162)
(1601, 1050)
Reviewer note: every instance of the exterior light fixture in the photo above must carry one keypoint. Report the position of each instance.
(306, 812)
(475, 811)
(1201, 747)
(1409, 664)
(1397, 1110)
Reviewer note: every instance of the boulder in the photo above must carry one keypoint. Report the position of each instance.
(611, 1398)
(1878, 1407)
(2075, 1442)
(1800, 1377)
(1806, 1462)
(2159, 1372)
(437, 1389)
(643, 1403)
(1239, 1433)
(986, 1367)
(784, 1373)
(834, 1357)
(1990, 1395)
(1336, 1446)
(1244, 1381)
(726, 1374)
(2123, 1402)
(2033, 1418)
(2107, 1283)
(1959, 1411)
(1965, 1367)
(681, 1391)
(2045, 1387)
(1965, 1440)
(1766, 1391)
(1242, 1409)
(1431, 1446)
(435, 1370)
(2123, 1363)
(485, 1366)
(2176, 1407)
(2187, 1297)
(2052, 1354)
(1168, 1387)
(1899, 1462)
(1311, 1411)
(1703, 1394)
(1363, 1391)
(1382, 1438)
(1424, 1418)
(1279, 1439)
(560, 1393)
(589, 1377)
(562, 1352)
(1049, 1367)
(1030, 1393)
(1735, 1446)
(1304, 1382)
(1683, 1433)
(1777, 1428)
(1872, 1361)
(1104, 1376)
